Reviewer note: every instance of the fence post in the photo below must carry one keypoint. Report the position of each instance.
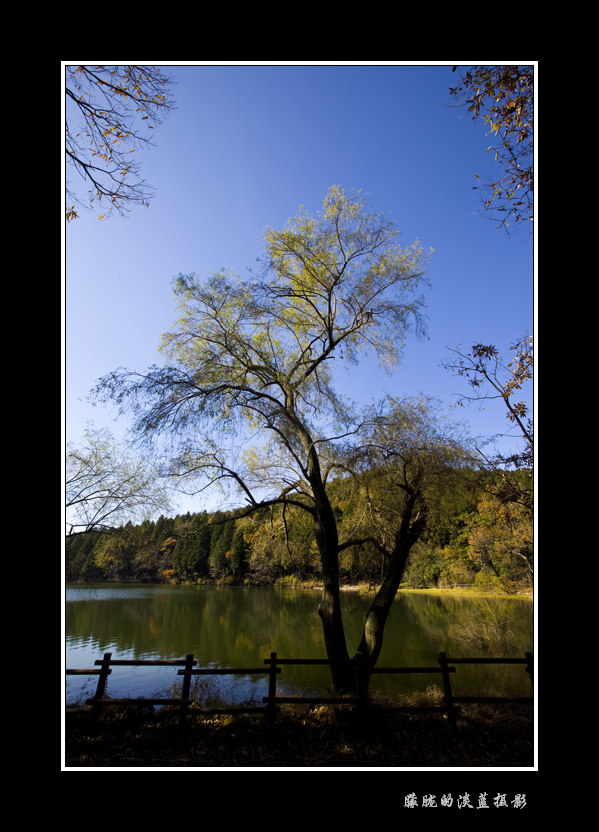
(361, 686)
(272, 686)
(529, 665)
(447, 693)
(103, 676)
(186, 683)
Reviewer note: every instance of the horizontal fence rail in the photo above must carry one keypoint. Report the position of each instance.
(272, 668)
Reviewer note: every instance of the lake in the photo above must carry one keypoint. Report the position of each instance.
(240, 626)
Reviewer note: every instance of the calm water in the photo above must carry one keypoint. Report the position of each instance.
(238, 627)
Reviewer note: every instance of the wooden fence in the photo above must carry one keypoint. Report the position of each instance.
(272, 668)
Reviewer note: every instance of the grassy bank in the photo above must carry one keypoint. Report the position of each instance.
(469, 591)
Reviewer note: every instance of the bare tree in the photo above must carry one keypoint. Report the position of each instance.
(106, 485)
(492, 377)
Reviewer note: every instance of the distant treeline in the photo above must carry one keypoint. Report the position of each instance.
(472, 538)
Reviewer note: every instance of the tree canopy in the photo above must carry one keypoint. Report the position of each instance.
(110, 113)
(254, 357)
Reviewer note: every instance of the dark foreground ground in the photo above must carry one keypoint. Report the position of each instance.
(320, 737)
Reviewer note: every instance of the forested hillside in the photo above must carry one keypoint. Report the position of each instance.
(473, 537)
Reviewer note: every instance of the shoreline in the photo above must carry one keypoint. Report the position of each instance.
(361, 589)
(447, 590)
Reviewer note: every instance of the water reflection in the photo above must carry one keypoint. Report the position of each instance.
(239, 626)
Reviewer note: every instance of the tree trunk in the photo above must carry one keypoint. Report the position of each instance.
(329, 610)
(374, 626)
(327, 540)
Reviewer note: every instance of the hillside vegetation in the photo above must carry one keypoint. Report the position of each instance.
(473, 538)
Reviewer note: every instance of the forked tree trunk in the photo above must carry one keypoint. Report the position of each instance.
(327, 540)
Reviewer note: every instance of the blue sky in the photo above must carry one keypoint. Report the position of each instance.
(246, 146)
